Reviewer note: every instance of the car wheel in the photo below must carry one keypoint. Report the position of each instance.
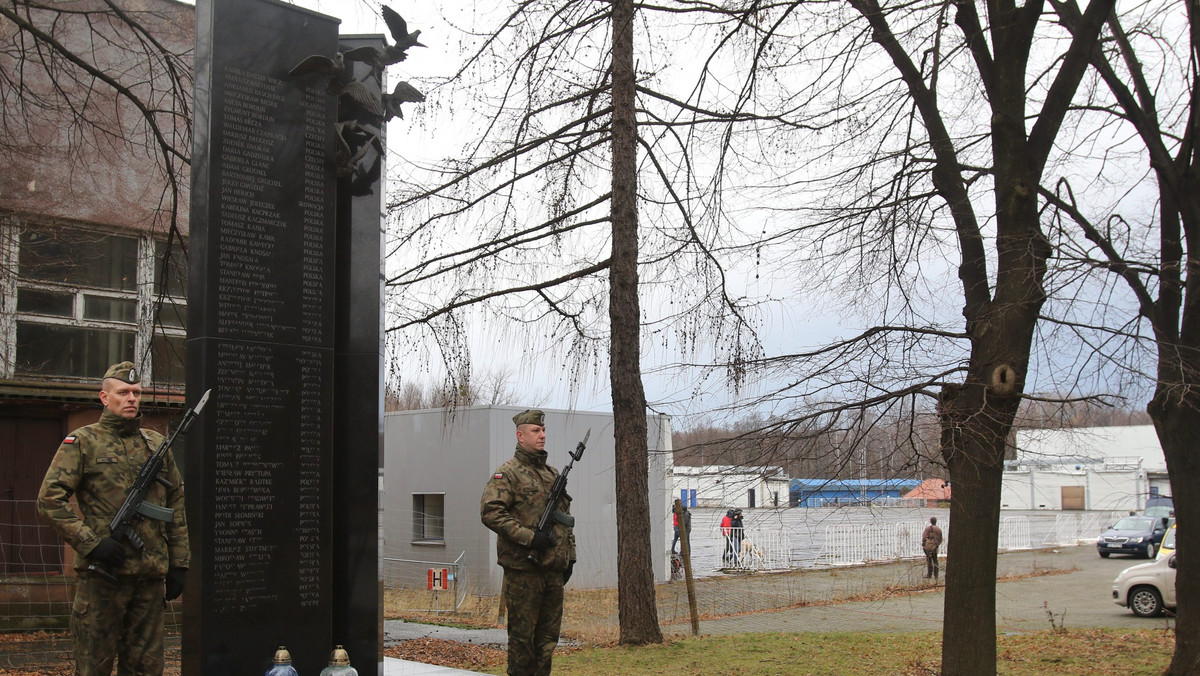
(1150, 551)
(1145, 602)
(1104, 555)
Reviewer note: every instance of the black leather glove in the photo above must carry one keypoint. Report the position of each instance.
(567, 573)
(541, 542)
(175, 580)
(109, 552)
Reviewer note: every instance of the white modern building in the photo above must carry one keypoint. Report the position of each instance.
(731, 486)
(1089, 468)
(436, 463)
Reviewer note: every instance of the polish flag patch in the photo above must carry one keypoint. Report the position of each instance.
(69, 440)
(497, 476)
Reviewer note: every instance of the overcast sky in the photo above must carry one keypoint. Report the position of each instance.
(792, 324)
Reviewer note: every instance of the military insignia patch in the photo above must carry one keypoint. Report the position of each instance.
(69, 440)
(497, 475)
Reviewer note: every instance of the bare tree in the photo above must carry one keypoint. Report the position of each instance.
(534, 262)
(935, 175)
(492, 389)
(900, 174)
(97, 84)
(95, 104)
(867, 445)
(1149, 64)
(407, 396)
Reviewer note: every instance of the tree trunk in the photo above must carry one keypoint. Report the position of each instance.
(1173, 411)
(975, 425)
(637, 613)
(977, 416)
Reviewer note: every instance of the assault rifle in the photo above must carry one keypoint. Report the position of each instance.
(558, 490)
(135, 505)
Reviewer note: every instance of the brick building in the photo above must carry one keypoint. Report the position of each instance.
(93, 225)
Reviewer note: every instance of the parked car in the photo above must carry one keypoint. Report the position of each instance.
(1148, 588)
(1167, 547)
(1159, 507)
(1138, 535)
(1160, 501)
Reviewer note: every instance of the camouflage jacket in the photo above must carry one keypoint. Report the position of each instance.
(512, 503)
(97, 464)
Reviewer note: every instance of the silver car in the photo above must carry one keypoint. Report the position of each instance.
(1148, 588)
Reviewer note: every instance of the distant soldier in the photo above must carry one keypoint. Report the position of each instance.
(97, 465)
(931, 539)
(512, 503)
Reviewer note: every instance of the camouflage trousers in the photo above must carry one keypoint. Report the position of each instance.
(535, 602)
(121, 622)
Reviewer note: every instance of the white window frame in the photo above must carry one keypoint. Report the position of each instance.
(421, 521)
(143, 327)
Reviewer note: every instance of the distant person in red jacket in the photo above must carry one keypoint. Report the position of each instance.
(730, 556)
(737, 531)
(931, 539)
(687, 527)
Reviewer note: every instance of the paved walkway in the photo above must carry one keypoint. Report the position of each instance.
(1081, 598)
(395, 631)
(394, 667)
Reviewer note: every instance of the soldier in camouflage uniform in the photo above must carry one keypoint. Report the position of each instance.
(512, 503)
(97, 464)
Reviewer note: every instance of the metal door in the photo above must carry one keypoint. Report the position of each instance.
(27, 547)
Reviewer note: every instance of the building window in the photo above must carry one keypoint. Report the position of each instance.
(78, 258)
(170, 285)
(167, 353)
(53, 350)
(85, 298)
(429, 518)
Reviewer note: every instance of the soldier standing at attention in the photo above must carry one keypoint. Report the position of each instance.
(512, 503)
(97, 464)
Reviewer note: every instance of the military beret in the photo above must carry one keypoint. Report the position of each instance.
(530, 417)
(125, 372)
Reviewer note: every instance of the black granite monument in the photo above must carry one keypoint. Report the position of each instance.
(284, 325)
(358, 406)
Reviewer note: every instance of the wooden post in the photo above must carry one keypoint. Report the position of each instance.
(685, 550)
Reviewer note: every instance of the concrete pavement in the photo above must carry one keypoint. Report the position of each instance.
(395, 667)
(1080, 598)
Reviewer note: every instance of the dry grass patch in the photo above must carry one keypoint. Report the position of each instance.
(916, 654)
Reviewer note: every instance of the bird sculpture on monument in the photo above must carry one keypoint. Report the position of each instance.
(361, 112)
(398, 27)
(402, 93)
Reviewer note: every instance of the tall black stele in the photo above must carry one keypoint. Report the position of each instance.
(282, 470)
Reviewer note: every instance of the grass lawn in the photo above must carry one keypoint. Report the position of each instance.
(1083, 651)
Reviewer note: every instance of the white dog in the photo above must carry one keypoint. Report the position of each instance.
(751, 553)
